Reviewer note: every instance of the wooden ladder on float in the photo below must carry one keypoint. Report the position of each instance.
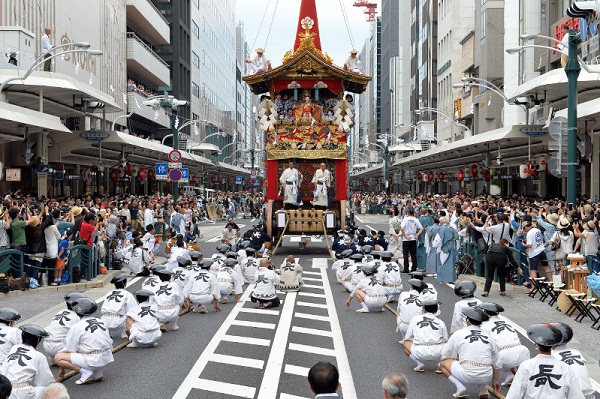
(287, 222)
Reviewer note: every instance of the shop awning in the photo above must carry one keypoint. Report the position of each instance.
(405, 147)
(13, 118)
(585, 111)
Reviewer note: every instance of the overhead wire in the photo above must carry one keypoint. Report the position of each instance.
(261, 23)
(348, 30)
(271, 25)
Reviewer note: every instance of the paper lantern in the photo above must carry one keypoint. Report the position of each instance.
(419, 176)
(133, 171)
(127, 169)
(474, 170)
(480, 173)
(87, 176)
(121, 172)
(114, 175)
(151, 174)
(486, 175)
(543, 164)
(441, 176)
(532, 166)
(195, 179)
(430, 176)
(523, 171)
(461, 175)
(142, 174)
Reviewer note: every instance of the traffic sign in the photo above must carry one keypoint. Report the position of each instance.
(175, 165)
(185, 175)
(161, 171)
(253, 173)
(253, 182)
(557, 127)
(238, 180)
(175, 156)
(59, 175)
(175, 175)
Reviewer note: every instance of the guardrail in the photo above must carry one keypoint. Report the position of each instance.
(11, 259)
(87, 258)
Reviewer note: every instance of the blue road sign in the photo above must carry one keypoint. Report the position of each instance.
(185, 175)
(238, 180)
(175, 175)
(162, 171)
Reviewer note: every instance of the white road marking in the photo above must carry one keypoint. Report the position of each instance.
(270, 382)
(286, 396)
(313, 349)
(296, 370)
(313, 239)
(225, 388)
(246, 340)
(260, 311)
(312, 305)
(319, 287)
(312, 274)
(237, 361)
(343, 364)
(214, 239)
(295, 239)
(310, 294)
(319, 263)
(311, 316)
(312, 331)
(311, 279)
(254, 324)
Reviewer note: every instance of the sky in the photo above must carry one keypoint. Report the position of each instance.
(280, 38)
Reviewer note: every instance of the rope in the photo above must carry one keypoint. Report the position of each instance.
(261, 23)
(271, 26)
(347, 24)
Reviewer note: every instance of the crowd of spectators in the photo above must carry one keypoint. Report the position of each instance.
(286, 106)
(139, 88)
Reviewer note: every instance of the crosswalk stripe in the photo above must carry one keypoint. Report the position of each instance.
(320, 287)
(246, 340)
(241, 391)
(254, 324)
(310, 294)
(312, 331)
(312, 349)
(296, 370)
(319, 262)
(260, 311)
(287, 396)
(237, 361)
(311, 316)
(312, 274)
(214, 239)
(312, 305)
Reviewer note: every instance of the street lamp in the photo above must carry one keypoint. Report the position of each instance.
(169, 105)
(80, 47)
(437, 111)
(386, 171)
(572, 70)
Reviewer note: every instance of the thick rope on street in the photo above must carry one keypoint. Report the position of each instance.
(114, 350)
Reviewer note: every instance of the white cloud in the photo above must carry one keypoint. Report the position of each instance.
(335, 39)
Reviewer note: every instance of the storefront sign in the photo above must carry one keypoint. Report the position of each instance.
(94, 136)
(533, 131)
(13, 174)
(73, 177)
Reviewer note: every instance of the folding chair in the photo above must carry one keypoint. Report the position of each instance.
(595, 308)
(574, 305)
(583, 305)
(555, 293)
(535, 285)
(545, 289)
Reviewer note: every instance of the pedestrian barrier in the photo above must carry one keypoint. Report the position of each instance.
(87, 258)
(11, 260)
(160, 230)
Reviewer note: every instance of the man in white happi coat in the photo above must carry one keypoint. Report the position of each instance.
(258, 64)
(409, 305)
(168, 298)
(544, 376)
(465, 290)
(574, 359)
(429, 292)
(249, 266)
(290, 181)
(25, 367)
(230, 281)
(143, 327)
(388, 274)
(59, 327)
(322, 182)
(369, 292)
(425, 338)
(10, 335)
(151, 283)
(505, 339)
(203, 290)
(468, 357)
(89, 345)
(118, 302)
(353, 63)
(346, 273)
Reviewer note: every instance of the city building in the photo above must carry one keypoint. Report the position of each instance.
(390, 46)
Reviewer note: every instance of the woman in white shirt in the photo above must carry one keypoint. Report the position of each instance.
(52, 237)
(140, 259)
(149, 214)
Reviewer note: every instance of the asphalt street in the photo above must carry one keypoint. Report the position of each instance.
(243, 352)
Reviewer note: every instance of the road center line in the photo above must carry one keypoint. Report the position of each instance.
(272, 374)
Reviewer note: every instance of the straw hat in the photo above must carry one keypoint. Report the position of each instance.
(34, 221)
(260, 50)
(590, 225)
(77, 210)
(587, 209)
(552, 218)
(563, 223)
(353, 52)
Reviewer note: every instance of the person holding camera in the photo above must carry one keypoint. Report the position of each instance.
(264, 291)
(496, 261)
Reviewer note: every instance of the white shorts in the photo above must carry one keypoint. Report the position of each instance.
(513, 357)
(427, 353)
(114, 323)
(52, 348)
(393, 291)
(461, 374)
(78, 359)
(201, 299)
(143, 337)
(349, 286)
(375, 303)
(168, 315)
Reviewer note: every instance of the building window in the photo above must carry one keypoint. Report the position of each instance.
(195, 30)
(483, 25)
(195, 90)
(195, 60)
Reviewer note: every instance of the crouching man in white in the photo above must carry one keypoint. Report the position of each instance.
(60, 326)
(424, 341)
(168, 298)
(369, 292)
(230, 281)
(203, 290)
(468, 357)
(143, 327)
(118, 302)
(89, 345)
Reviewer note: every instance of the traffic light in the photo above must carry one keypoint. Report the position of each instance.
(584, 9)
(28, 151)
